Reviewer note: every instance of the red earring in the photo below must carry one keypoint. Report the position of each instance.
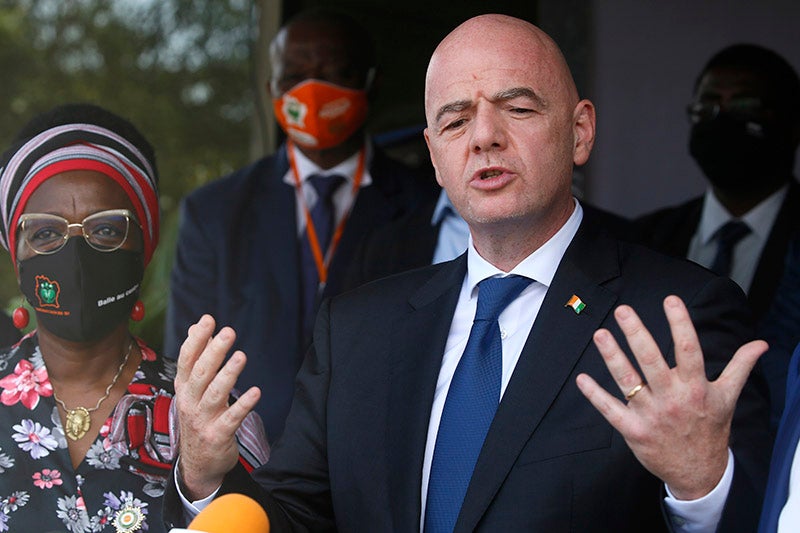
(21, 318)
(137, 313)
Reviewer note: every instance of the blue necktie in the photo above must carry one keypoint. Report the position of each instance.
(323, 216)
(470, 405)
(728, 237)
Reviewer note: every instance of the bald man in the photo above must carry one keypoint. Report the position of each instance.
(445, 399)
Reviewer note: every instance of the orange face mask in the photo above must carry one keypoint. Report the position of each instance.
(318, 114)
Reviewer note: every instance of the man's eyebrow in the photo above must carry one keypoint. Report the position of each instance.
(519, 92)
(452, 107)
(504, 95)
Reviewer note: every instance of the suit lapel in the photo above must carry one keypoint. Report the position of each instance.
(555, 344)
(270, 219)
(370, 210)
(419, 344)
(673, 232)
(376, 204)
(771, 263)
(784, 451)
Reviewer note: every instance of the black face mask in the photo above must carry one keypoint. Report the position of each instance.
(742, 156)
(79, 293)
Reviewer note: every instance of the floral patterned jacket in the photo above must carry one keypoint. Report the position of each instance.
(119, 484)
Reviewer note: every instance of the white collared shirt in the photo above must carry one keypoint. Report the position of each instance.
(515, 321)
(746, 254)
(343, 199)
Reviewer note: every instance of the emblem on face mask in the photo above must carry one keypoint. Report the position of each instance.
(47, 292)
(295, 111)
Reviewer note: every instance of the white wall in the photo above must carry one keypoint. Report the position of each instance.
(646, 55)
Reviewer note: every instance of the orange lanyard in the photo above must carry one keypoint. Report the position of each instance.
(321, 261)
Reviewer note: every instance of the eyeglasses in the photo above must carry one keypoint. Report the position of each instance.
(746, 108)
(104, 231)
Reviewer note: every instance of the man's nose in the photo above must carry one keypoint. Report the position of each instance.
(489, 130)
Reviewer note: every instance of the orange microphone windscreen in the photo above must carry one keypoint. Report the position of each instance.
(232, 512)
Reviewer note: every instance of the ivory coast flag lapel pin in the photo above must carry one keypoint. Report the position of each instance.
(576, 304)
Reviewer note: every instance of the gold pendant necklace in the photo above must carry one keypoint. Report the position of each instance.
(79, 419)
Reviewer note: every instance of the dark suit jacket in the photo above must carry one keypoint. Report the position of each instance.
(780, 327)
(407, 243)
(410, 242)
(670, 231)
(351, 456)
(238, 258)
(784, 453)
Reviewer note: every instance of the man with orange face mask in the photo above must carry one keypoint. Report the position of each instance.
(260, 248)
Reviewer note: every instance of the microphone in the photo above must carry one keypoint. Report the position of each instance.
(227, 514)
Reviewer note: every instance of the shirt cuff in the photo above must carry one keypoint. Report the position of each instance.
(701, 515)
(191, 508)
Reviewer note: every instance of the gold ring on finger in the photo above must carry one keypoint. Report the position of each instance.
(634, 391)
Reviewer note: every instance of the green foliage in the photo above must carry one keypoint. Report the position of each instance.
(178, 69)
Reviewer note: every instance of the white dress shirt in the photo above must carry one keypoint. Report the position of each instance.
(515, 321)
(343, 198)
(747, 252)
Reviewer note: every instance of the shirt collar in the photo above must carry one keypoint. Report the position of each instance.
(444, 207)
(540, 266)
(347, 168)
(759, 219)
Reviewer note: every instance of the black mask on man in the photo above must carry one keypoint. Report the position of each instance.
(739, 156)
(79, 293)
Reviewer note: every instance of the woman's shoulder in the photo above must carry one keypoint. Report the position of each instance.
(26, 349)
(155, 370)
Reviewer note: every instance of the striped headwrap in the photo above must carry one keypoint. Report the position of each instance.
(91, 139)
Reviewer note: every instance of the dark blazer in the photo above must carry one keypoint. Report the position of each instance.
(238, 258)
(780, 327)
(351, 456)
(407, 243)
(670, 231)
(784, 453)
(410, 242)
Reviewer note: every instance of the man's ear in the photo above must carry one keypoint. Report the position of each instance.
(583, 127)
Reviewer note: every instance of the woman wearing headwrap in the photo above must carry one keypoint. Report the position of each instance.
(88, 435)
